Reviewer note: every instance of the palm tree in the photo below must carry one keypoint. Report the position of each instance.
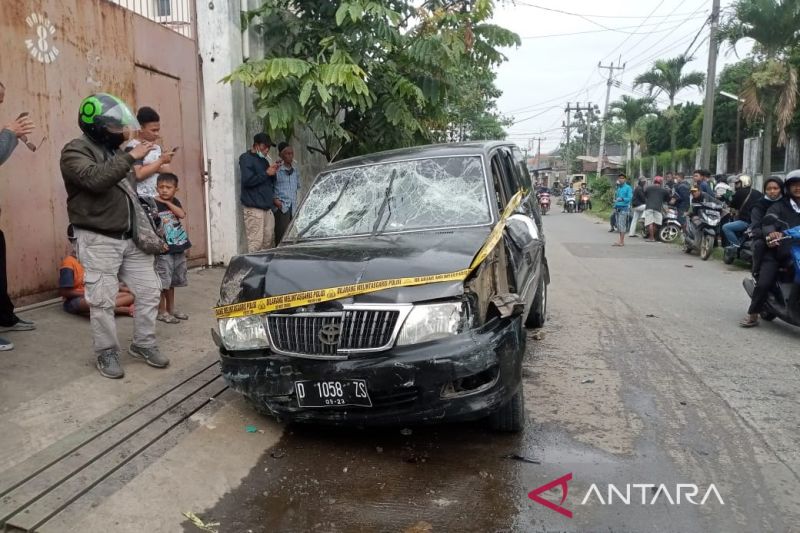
(770, 93)
(667, 76)
(631, 111)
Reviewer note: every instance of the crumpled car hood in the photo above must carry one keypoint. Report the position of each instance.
(332, 263)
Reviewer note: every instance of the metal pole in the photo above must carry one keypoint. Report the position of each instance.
(566, 154)
(711, 79)
(738, 135)
(601, 151)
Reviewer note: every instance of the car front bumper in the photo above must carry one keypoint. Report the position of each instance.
(410, 384)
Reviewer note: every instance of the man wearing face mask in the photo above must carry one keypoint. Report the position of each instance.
(258, 186)
(773, 189)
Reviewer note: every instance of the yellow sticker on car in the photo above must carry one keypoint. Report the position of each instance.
(315, 296)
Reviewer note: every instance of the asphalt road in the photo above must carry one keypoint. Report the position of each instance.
(642, 377)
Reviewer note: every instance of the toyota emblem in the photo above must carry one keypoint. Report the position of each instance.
(329, 334)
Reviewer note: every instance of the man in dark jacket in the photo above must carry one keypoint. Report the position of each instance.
(258, 187)
(743, 201)
(787, 212)
(655, 198)
(681, 197)
(773, 192)
(108, 228)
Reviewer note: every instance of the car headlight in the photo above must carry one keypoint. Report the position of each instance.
(243, 333)
(432, 321)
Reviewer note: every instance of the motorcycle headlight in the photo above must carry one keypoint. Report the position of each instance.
(243, 333)
(433, 321)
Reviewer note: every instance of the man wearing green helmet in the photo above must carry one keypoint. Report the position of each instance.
(115, 238)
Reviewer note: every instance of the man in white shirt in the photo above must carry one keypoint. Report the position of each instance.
(155, 161)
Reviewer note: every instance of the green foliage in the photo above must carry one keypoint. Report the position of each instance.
(367, 75)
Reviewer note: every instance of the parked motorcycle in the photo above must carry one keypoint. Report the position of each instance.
(570, 204)
(544, 202)
(784, 300)
(703, 237)
(668, 230)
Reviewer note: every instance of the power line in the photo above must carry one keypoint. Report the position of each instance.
(628, 37)
(581, 15)
(653, 32)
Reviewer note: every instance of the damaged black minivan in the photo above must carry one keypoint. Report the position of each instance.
(305, 335)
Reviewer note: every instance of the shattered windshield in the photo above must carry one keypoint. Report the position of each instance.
(396, 196)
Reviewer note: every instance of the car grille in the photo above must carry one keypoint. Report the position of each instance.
(303, 333)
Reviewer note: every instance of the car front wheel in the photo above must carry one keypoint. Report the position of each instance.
(510, 418)
(538, 312)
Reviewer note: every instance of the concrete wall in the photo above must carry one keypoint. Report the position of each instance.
(56, 52)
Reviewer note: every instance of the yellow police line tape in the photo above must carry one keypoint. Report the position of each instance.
(299, 299)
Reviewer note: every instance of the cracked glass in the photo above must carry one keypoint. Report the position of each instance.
(395, 196)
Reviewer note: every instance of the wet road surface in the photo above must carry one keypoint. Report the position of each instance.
(640, 377)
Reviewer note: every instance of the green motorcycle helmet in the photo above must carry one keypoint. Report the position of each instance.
(106, 120)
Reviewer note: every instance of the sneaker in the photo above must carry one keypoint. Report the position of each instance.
(19, 325)
(108, 365)
(180, 316)
(6, 345)
(152, 356)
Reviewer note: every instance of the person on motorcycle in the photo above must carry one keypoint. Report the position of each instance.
(681, 197)
(697, 199)
(787, 211)
(744, 198)
(568, 191)
(773, 191)
(584, 190)
(638, 205)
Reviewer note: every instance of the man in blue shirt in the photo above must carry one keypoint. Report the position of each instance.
(287, 183)
(701, 178)
(622, 207)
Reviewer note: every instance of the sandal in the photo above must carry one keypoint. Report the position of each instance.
(617, 244)
(168, 318)
(748, 322)
(180, 316)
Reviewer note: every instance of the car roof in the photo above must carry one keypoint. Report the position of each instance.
(419, 152)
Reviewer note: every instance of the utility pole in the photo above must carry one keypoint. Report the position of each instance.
(568, 125)
(711, 78)
(601, 151)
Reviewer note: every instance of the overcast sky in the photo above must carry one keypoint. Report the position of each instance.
(547, 71)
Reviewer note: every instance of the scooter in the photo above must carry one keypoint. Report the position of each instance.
(668, 231)
(784, 300)
(703, 238)
(544, 202)
(569, 203)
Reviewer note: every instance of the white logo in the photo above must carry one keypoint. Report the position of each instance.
(40, 48)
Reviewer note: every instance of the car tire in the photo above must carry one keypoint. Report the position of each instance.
(537, 315)
(510, 418)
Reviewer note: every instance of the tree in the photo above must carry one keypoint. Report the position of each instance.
(631, 111)
(366, 75)
(770, 92)
(667, 76)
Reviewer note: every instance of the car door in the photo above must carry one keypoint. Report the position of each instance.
(523, 231)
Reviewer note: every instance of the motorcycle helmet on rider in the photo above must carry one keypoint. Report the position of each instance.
(791, 177)
(743, 180)
(106, 120)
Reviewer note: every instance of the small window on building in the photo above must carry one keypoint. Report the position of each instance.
(163, 8)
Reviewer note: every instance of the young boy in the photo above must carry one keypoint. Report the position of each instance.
(156, 161)
(171, 265)
(72, 289)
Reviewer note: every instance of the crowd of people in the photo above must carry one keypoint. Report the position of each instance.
(127, 239)
(749, 218)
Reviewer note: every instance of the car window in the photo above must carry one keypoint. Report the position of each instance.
(395, 196)
(522, 167)
(511, 179)
(498, 179)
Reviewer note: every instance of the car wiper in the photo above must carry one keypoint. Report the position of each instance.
(385, 202)
(324, 213)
